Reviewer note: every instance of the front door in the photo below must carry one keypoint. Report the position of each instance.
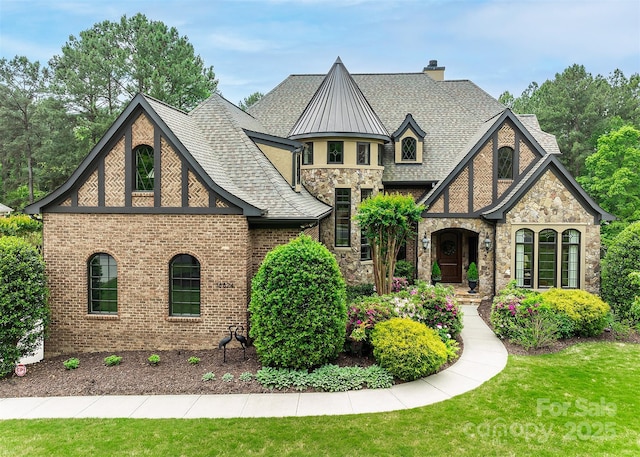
(450, 257)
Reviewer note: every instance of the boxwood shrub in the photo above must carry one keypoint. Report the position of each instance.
(298, 309)
(408, 349)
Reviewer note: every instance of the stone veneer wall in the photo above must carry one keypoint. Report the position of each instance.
(478, 227)
(322, 182)
(549, 204)
(143, 246)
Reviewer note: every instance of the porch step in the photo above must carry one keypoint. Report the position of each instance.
(464, 297)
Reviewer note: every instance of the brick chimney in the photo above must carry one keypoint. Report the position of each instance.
(434, 71)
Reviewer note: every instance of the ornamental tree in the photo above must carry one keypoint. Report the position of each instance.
(298, 306)
(387, 221)
(23, 301)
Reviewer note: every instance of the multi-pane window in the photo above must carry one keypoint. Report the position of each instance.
(505, 163)
(524, 258)
(185, 286)
(380, 154)
(365, 247)
(570, 259)
(307, 154)
(144, 167)
(103, 284)
(547, 251)
(364, 154)
(409, 149)
(335, 152)
(343, 217)
(298, 169)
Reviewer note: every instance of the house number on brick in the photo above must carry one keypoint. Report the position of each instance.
(225, 285)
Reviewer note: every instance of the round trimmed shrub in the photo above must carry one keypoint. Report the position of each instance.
(623, 258)
(407, 349)
(587, 311)
(298, 309)
(23, 301)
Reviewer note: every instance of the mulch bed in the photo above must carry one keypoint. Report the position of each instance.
(175, 376)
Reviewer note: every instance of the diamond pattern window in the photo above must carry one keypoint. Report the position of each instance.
(409, 149)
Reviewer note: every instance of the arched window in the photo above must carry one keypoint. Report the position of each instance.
(547, 251)
(103, 284)
(571, 259)
(524, 258)
(185, 286)
(409, 149)
(144, 167)
(505, 163)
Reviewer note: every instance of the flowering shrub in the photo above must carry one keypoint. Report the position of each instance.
(365, 314)
(523, 317)
(587, 311)
(434, 306)
(399, 284)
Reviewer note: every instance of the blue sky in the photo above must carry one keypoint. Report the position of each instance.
(254, 44)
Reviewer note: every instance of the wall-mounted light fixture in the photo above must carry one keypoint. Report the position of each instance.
(487, 244)
(425, 241)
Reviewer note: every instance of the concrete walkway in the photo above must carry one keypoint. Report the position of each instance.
(483, 357)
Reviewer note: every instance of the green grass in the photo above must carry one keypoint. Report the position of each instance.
(541, 406)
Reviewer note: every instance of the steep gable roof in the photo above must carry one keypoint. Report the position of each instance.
(550, 162)
(338, 107)
(214, 144)
(475, 142)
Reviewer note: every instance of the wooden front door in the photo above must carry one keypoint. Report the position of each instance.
(450, 257)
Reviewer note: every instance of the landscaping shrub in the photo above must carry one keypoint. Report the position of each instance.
(405, 270)
(112, 360)
(18, 225)
(72, 363)
(298, 309)
(359, 291)
(434, 306)
(522, 316)
(408, 349)
(587, 311)
(23, 301)
(623, 257)
(362, 317)
(398, 284)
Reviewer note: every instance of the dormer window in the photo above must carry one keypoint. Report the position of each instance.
(409, 148)
(505, 163)
(408, 141)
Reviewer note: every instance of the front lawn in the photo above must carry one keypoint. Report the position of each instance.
(582, 401)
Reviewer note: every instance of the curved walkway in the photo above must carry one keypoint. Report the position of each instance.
(483, 357)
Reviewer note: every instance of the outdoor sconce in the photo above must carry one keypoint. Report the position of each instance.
(487, 244)
(425, 242)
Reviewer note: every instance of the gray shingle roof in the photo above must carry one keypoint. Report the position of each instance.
(338, 106)
(213, 133)
(450, 112)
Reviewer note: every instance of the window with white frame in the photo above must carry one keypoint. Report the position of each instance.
(570, 259)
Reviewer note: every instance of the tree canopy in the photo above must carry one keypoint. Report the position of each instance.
(387, 221)
(250, 100)
(577, 108)
(51, 117)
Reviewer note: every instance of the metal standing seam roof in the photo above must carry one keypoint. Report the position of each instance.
(338, 106)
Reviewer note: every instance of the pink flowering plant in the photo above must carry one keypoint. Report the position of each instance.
(515, 311)
(434, 306)
(364, 314)
(399, 284)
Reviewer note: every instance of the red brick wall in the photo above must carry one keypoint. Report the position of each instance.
(143, 246)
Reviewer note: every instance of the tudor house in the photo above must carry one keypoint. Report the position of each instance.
(153, 241)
